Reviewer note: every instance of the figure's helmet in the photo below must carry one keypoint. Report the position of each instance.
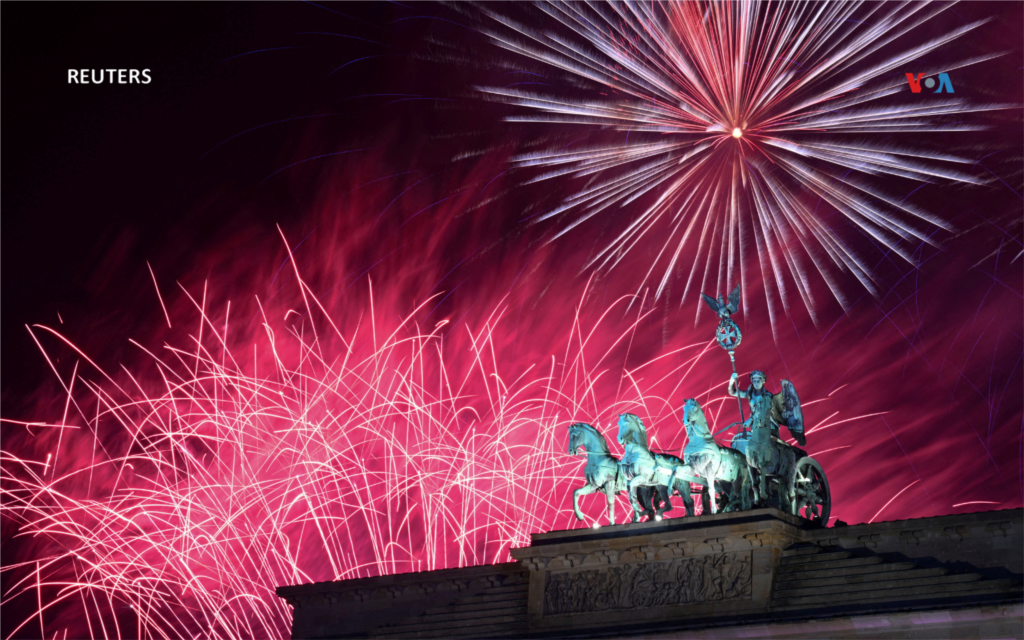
(758, 374)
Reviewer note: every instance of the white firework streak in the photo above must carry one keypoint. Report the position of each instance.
(759, 102)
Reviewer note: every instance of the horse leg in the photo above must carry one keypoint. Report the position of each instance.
(672, 480)
(645, 496)
(631, 488)
(762, 477)
(727, 496)
(684, 493)
(736, 485)
(648, 497)
(610, 492)
(726, 493)
(586, 489)
(671, 488)
(741, 478)
(753, 485)
(784, 485)
(711, 490)
(792, 507)
(738, 495)
(658, 502)
(666, 498)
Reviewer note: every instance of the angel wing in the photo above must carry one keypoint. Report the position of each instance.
(711, 302)
(792, 415)
(733, 304)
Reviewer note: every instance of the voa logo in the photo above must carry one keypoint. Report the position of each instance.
(944, 83)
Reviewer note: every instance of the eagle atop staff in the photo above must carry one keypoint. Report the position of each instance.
(721, 307)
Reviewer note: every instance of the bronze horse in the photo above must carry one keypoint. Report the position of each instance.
(643, 468)
(722, 469)
(603, 472)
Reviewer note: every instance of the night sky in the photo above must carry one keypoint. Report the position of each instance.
(105, 175)
(353, 133)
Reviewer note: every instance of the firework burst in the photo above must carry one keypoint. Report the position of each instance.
(288, 428)
(301, 437)
(322, 433)
(168, 501)
(740, 120)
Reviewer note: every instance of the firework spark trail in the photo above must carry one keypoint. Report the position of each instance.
(204, 479)
(756, 106)
(169, 498)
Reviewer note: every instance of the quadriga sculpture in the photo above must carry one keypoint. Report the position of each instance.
(642, 468)
(602, 470)
(723, 469)
(602, 473)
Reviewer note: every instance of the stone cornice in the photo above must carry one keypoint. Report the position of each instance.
(403, 586)
(664, 540)
(959, 527)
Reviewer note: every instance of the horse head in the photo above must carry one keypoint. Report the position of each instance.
(583, 435)
(694, 420)
(632, 430)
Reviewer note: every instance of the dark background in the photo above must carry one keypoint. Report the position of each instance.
(98, 179)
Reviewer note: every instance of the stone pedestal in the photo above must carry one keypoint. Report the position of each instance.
(720, 566)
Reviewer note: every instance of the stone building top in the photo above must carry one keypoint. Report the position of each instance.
(760, 573)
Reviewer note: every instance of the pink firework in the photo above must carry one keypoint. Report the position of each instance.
(170, 498)
(288, 431)
(740, 126)
(287, 428)
(385, 386)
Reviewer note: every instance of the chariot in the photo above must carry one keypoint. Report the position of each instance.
(796, 484)
(811, 497)
(757, 469)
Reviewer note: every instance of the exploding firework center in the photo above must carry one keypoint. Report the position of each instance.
(737, 132)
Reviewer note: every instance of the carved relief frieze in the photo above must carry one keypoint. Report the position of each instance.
(640, 585)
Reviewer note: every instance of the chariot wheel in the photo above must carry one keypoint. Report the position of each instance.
(811, 497)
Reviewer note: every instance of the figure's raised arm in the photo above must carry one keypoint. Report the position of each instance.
(734, 389)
